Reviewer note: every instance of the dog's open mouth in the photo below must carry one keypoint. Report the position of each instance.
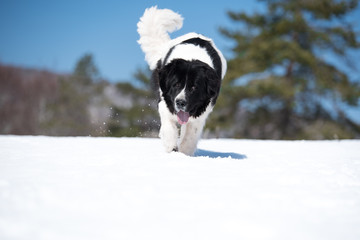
(183, 117)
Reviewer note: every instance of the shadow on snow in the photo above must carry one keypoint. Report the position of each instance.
(211, 154)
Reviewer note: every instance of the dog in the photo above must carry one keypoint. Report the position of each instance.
(187, 72)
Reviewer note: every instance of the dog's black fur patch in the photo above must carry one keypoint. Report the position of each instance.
(201, 83)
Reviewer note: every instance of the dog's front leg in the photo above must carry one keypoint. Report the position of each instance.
(190, 135)
(169, 134)
(168, 130)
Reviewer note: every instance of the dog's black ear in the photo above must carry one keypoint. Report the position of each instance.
(213, 83)
(163, 73)
(172, 72)
(155, 79)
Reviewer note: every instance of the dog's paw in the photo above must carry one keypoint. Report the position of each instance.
(170, 143)
(187, 150)
(170, 146)
(168, 135)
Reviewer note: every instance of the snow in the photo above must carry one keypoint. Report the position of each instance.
(129, 188)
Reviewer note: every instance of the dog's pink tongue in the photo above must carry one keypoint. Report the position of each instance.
(183, 117)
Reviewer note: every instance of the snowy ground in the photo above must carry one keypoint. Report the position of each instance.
(128, 188)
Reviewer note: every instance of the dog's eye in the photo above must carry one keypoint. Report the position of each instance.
(177, 85)
(193, 88)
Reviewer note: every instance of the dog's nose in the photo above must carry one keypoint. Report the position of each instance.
(181, 103)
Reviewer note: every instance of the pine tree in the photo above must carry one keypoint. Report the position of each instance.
(85, 71)
(69, 111)
(141, 119)
(287, 84)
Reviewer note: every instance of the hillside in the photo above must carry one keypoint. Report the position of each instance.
(128, 188)
(40, 102)
(24, 93)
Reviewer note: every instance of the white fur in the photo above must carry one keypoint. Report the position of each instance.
(154, 28)
(182, 38)
(168, 130)
(190, 132)
(190, 52)
(180, 96)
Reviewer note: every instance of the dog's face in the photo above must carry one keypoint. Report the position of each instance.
(188, 87)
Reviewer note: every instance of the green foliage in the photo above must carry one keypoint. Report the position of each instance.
(141, 119)
(86, 71)
(281, 47)
(68, 111)
(134, 122)
(84, 105)
(321, 129)
(143, 77)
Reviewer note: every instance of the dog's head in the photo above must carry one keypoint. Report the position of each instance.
(188, 87)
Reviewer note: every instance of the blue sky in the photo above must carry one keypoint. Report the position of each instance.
(55, 34)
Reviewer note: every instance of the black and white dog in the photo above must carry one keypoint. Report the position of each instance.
(187, 70)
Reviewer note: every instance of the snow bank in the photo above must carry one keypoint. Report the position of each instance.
(128, 188)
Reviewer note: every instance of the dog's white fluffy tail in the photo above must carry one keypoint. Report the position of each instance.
(154, 28)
